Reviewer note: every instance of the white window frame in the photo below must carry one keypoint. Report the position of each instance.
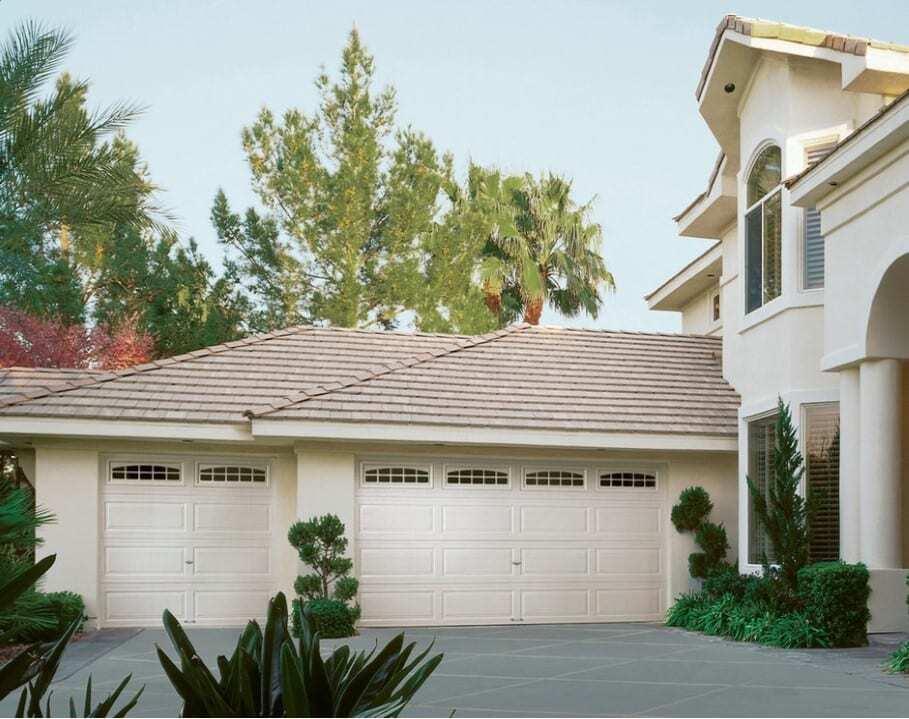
(424, 466)
(623, 468)
(200, 464)
(759, 203)
(528, 469)
(506, 469)
(179, 465)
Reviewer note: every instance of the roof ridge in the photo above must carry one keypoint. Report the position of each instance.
(64, 386)
(388, 368)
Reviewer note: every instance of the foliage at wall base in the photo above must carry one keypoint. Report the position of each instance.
(831, 611)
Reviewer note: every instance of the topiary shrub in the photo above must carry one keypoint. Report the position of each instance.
(321, 544)
(333, 619)
(725, 579)
(693, 508)
(835, 599)
(711, 538)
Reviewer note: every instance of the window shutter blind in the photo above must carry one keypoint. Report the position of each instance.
(814, 241)
(822, 465)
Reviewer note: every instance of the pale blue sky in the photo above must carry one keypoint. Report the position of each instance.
(600, 91)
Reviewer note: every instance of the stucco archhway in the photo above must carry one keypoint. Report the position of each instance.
(887, 333)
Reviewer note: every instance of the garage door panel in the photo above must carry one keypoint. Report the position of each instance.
(130, 561)
(396, 519)
(240, 561)
(478, 605)
(477, 561)
(145, 516)
(554, 521)
(621, 602)
(229, 517)
(544, 561)
(477, 520)
(230, 605)
(144, 606)
(628, 519)
(555, 604)
(406, 605)
(628, 561)
(397, 561)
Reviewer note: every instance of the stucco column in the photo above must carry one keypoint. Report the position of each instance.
(850, 474)
(326, 482)
(879, 432)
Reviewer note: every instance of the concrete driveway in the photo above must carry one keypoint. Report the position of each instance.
(559, 670)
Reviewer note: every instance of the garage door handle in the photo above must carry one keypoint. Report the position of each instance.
(517, 564)
(189, 561)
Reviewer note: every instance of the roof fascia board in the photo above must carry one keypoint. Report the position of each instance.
(385, 432)
(123, 429)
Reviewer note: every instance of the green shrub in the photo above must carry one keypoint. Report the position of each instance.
(899, 660)
(333, 619)
(711, 538)
(725, 579)
(680, 613)
(794, 630)
(835, 597)
(693, 507)
(40, 617)
(715, 618)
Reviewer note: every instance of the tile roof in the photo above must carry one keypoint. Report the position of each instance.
(550, 379)
(521, 377)
(756, 27)
(220, 383)
(18, 383)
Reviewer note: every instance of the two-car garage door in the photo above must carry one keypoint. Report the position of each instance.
(194, 537)
(450, 543)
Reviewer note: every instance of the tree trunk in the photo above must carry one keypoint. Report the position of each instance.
(532, 311)
(494, 302)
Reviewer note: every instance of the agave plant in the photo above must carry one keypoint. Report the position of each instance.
(269, 676)
(35, 666)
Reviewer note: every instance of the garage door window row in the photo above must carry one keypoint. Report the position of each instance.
(208, 474)
(635, 480)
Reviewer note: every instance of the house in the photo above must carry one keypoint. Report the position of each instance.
(528, 475)
(808, 280)
(525, 475)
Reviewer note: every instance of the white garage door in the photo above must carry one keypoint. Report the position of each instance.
(467, 543)
(191, 536)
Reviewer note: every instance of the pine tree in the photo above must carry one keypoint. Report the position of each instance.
(783, 513)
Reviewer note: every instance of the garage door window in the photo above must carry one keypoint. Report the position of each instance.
(145, 473)
(628, 480)
(476, 477)
(554, 478)
(396, 475)
(232, 475)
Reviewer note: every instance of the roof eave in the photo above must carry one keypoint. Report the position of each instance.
(69, 427)
(693, 279)
(288, 429)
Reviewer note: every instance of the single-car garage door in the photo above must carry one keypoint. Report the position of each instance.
(191, 536)
(491, 543)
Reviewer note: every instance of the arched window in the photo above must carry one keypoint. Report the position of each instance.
(763, 229)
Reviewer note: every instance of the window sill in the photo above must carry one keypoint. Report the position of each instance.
(802, 299)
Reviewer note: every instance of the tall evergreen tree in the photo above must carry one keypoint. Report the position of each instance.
(352, 234)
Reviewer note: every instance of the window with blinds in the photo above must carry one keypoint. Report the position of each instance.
(760, 466)
(822, 472)
(813, 241)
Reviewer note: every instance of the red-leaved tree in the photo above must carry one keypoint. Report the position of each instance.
(30, 341)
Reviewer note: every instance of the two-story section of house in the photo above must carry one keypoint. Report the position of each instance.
(808, 281)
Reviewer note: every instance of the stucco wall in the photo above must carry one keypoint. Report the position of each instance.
(697, 315)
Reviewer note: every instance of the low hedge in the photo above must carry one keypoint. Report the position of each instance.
(45, 616)
(831, 609)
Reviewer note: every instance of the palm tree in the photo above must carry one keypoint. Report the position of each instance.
(542, 247)
(61, 168)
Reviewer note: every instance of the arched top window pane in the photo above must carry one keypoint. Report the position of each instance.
(765, 174)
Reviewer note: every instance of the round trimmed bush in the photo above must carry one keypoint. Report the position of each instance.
(333, 619)
(693, 507)
(712, 539)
